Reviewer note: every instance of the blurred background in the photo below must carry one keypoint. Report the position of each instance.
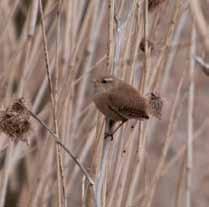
(51, 49)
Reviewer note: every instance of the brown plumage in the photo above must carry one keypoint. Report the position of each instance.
(119, 101)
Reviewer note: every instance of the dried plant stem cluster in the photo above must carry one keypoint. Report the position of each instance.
(50, 52)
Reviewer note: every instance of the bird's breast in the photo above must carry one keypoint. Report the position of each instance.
(103, 103)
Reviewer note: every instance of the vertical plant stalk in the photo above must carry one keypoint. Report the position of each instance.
(138, 34)
(171, 58)
(110, 43)
(96, 11)
(151, 191)
(52, 97)
(100, 188)
(146, 58)
(120, 184)
(126, 169)
(190, 120)
(31, 30)
(180, 182)
(100, 184)
(156, 77)
(120, 34)
(200, 21)
(142, 139)
(170, 61)
(91, 15)
(8, 20)
(67, 46)
(183, 149)
(95, 165)
(60, 170)
(83, 192)
(121, 27)
(10, 161)
(9, 166)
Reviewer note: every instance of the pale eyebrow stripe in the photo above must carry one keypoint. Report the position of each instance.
(108, 79)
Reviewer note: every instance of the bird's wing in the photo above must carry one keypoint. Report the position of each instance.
(127, 103)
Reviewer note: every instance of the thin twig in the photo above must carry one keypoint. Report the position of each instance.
(57, 140)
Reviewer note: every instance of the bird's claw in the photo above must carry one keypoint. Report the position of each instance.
(108, 135)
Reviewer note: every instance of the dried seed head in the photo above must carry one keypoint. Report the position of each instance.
(153, 4)
(14, 121)
(155, 103)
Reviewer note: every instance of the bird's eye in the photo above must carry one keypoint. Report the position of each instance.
(104, 81)
(107, 80)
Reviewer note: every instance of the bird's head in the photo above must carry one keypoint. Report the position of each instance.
(104, 84)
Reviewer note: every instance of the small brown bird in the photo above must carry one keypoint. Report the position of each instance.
(119, 101)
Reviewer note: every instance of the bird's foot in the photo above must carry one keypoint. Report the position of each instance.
(106, 135)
